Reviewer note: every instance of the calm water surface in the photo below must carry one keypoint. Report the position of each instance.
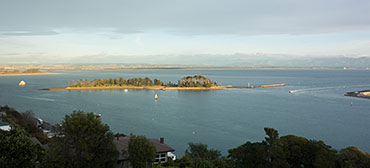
(222, 119)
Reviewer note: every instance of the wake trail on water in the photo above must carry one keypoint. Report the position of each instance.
(38, 98)
(328, 88)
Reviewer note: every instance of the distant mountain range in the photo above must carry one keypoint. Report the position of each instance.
(205, 60)
(265, 61)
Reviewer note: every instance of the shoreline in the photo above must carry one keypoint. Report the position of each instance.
(163, 88)
(359, 94)
(29, 74)
(137, 88)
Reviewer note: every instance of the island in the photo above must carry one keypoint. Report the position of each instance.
(360, 94)
(197, 82)
(15, 72)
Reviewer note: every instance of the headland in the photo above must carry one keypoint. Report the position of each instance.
(360, 94)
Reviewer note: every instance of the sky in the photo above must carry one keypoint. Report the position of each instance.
(40, 31)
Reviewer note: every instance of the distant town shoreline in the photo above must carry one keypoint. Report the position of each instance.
(28, 74)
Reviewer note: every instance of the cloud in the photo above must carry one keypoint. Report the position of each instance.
(28, 33)
(192, 17)
(138, 40)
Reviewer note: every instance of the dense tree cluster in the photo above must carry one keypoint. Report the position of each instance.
(274, 152)
(83, 141)
(141, 152)
(189, 81)
(86, 142)
(17, 150)
(115, 82)
(196, 81)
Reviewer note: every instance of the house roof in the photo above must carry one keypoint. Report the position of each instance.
(161, 147)
(122, 145)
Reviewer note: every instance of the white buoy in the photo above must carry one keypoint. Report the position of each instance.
(22, 83)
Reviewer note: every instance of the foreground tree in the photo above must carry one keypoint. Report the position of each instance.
(141, 151)
(287, 151)
(202, 151)
(25, 121)
(353, 157)
(17, 150)
(276, 155)
(202, 157)
(249, 155)
(86, 142)
(301, 152)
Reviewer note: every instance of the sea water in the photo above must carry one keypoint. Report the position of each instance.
(223, 119)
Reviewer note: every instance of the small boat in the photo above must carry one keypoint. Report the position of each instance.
(171, 155)
(22, 83)
(98, 115)
(39, 122)
(156, 97)
(292, 91)
(126, 90)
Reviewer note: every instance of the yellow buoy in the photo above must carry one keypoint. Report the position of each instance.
(22, 83)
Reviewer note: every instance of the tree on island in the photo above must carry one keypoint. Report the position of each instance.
(157, 82)
(86, 142)
(141, 152)
(196, 81)
(189, 81)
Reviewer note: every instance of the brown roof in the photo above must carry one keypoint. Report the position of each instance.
(122, 144)
(161, 147)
